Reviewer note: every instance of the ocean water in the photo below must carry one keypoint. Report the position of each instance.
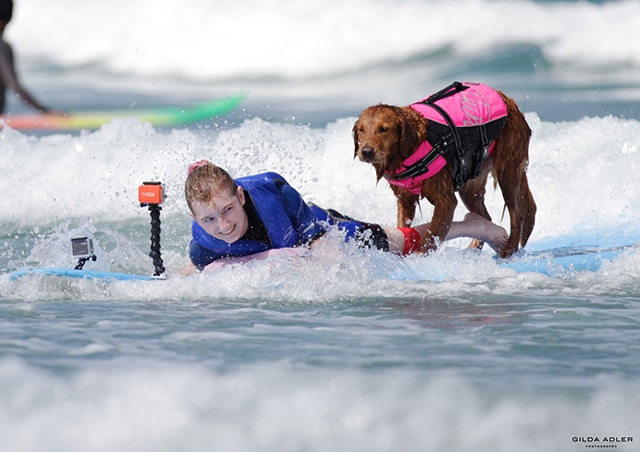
(343, 349)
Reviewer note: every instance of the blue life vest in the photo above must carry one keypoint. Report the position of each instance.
(267, 201)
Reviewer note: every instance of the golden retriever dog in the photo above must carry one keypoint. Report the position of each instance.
(450, 142)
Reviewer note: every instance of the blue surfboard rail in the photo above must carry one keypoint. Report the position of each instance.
(557, 261)
(85, 274)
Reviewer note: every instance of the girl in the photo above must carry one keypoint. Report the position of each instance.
(237, 220)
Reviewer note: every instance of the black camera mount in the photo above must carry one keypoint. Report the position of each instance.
(151, 194)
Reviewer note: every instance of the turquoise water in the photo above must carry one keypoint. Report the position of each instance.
(344, 349)
(500, 342)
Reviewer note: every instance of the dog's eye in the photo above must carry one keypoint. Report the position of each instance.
(383, 129)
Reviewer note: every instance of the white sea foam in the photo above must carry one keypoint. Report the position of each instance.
(582, 173)
(212, 40)
(285, 410)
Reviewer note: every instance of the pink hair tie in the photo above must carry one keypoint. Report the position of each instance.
(197, 164)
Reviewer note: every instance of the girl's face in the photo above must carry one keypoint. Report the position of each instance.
(224, 218)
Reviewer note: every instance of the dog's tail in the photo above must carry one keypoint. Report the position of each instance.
(526, 210)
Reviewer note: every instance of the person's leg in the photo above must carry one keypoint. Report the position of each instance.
(366, 235)
(403, 240)
(473, 225)
(480, 228)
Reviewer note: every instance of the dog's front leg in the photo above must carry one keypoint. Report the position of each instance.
(443, 210)
(407, 203)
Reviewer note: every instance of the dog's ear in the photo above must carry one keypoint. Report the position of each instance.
(410, 132)
(354, 134)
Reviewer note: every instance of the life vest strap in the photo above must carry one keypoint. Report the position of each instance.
(449, 91)
(422, 166)
(454, 88)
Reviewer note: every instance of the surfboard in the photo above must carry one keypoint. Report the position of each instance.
(553, 262)
(85, 274)
(559, 261)
(157, 116)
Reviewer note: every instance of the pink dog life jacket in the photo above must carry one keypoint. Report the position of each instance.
(465, 119)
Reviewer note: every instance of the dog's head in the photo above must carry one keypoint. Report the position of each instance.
(385, 135)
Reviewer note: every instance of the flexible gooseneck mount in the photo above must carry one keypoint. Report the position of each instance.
(151, 194)
(155, 254)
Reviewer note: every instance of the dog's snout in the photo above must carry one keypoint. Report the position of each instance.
(367, 153)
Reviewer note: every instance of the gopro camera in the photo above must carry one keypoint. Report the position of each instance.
(151, 193)
(82, 247)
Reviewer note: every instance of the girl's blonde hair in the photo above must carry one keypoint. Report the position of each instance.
(205, 181)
